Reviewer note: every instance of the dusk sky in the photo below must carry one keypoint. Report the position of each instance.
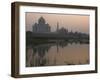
(79, 23)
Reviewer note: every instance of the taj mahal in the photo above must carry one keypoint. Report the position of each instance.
(41, 26)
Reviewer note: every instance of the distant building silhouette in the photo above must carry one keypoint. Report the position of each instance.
(63, 30)
(41, 26)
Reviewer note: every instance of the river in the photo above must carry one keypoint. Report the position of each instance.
(60, 53)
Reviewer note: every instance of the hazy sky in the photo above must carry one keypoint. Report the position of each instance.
(73, 22)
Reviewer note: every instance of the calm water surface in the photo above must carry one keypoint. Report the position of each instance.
(52, 54)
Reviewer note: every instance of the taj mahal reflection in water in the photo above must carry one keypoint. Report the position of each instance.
(61, 47)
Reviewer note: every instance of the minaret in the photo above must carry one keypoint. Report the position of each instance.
(57, 26)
